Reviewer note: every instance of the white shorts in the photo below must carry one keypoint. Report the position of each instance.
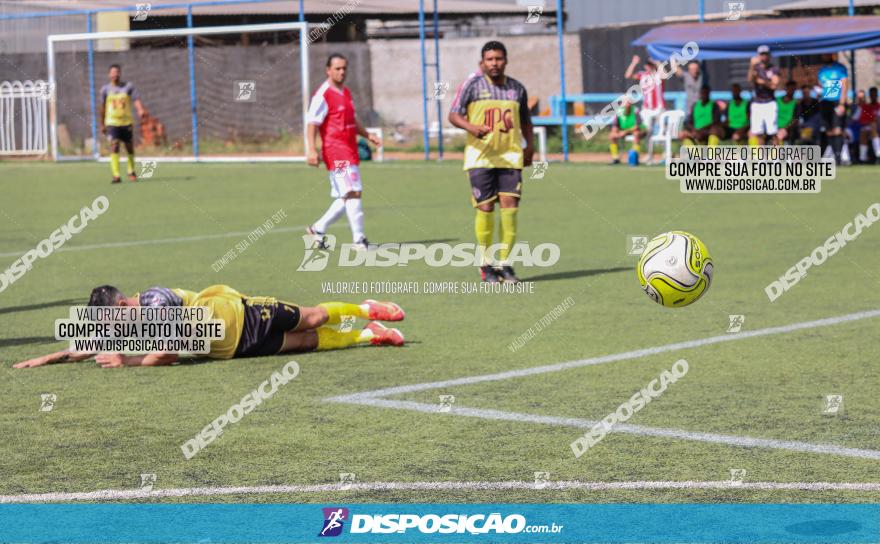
(763, 118)
(649, 116)
(344, 179)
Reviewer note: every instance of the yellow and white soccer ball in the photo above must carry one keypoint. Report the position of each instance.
(675, 269)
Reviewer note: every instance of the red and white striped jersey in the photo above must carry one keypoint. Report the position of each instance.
(652, 90)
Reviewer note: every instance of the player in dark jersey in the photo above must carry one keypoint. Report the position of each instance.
(255, 326)
(764, 76)
(116, 121)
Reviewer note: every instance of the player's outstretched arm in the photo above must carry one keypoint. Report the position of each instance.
(118, 360)
(65, 356)
(630, 70)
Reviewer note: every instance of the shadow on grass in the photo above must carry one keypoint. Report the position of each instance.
(40, 306)
(26, 340)
(576, 274)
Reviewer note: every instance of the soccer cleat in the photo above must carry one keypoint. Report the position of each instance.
(115, 180)
(488, 274)
(320, 241)
(506, 273)
(615, 161)
(132, 176)
(363, 244)
(384, 311)
(383, 336)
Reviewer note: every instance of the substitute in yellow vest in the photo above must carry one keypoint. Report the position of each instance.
(736, 127)
(493, 109)
(254, 326)
(785, 119)
(704, 124)
(625, 123)
(116, 120)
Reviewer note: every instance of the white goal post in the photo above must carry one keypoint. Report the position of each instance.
(52, 39)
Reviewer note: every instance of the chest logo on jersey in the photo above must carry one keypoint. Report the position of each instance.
(502, 116)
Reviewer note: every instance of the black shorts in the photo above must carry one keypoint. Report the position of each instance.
(830, 119)
(123, 134)
(266, 319)
(488, 183)
(728, 131)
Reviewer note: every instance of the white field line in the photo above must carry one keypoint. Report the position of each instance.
(657, 432)
(375, 397)
(157, 241)
(625, 356)
(128, 494)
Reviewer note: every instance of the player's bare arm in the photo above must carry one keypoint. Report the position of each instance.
(313, 145)
(460, 121)
(630, 70)
(65, 356)
(372, 138)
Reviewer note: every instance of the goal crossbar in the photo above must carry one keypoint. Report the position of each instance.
(52, 39)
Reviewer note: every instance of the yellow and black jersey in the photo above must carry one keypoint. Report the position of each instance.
(504, 109)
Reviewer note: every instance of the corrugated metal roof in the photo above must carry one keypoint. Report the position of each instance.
(394, 7)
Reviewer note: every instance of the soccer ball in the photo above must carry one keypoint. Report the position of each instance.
(675, 269)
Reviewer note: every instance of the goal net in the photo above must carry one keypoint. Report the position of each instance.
(224, 93)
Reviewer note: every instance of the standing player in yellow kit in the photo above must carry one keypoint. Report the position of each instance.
(116, 121)
(494, 111)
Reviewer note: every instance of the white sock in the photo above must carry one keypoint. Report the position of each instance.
(355, 212)
(863, 152)
(876, 141)
(333, 213)
(844, 153)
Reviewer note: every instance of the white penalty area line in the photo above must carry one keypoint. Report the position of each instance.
(515, 485)
(159, 241)
(376, 398)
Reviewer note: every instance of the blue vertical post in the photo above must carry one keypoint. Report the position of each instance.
(437, 71)
(425, 138)
(302, 12)
(702, 10)
(91, 55)
(852, 53)
(192, 83)
(559, 34)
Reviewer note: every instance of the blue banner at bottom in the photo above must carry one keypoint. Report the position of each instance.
(442, 523)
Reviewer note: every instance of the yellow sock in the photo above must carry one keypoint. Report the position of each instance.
(329, 338)
(713, 140)
(114, 164)
(483, 226)
(753, 141)
(507, 234)
(335, 311)
(615, 151)
(687, 142)
(131, 164)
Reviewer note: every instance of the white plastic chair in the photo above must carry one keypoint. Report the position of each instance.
(669, 127)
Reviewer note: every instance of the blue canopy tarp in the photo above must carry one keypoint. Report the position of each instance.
(740, 39)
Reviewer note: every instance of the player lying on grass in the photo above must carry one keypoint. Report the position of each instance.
(255, 326)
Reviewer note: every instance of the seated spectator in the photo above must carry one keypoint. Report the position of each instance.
(785, 118)
(736, 127)
(626, 122)
(868, 112)
(809, 118)
(704, 122)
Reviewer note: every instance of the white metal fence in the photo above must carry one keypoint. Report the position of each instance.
(23, 117)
